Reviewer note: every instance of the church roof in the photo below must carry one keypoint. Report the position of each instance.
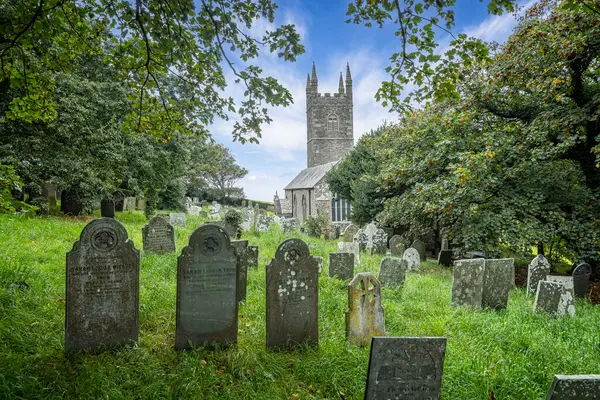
(309, 177)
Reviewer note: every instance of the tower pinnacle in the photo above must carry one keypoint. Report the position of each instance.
(341, 85)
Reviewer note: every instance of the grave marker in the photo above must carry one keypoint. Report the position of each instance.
(574, 387)
(581, 279)
(467, 282)
(566, 281)
(341, 265)
(349, 233)
(379, 242)
(537, 271)
(350, 247)
(498, 278)
(397, 248)
(158, 236)
(241, 247)
(392, 271)
(177, 219)
(252, 255)
(554, 298)
(107, 208)
(445, 258)
(420, 247)
(413, 258)
(365, 316)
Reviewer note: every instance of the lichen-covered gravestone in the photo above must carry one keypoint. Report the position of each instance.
(467, 282)
(413, 259)
(240, 247)
(498, 279)
(581, 279)
(107, 208)
(193, 210)
(420, 247)
(349, 233)
(158, 236)
(362, 239)
(341, 265)
(350, 247)
(379, 242)
(263, 223)
(207, 309)
(252, 254)
(292, 297)
(554, 298)
(288, 224)
(566, 281)
(405, 368)
(574, 387)
(537, 271)
(177, 219)
(364, 317)
(397, 248)
(102, 288)
(392, 271)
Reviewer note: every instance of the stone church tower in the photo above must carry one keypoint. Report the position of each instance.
(330, 131)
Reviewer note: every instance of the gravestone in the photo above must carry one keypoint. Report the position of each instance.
(288, 224)
(349, 233)
(566, 281)
(203, 214)
(263, 222)
(129, 204)
(319, 261)
(341, 265)
(581, 279)
(364, 317)
(240, 247)
(380, 239)
(405, 368)
(350, 247)
(554, 298)
(102, 288)
(247, 219)
(140, 203)
(392, 271)
(574, 387)
(413, 258)
(177, 219)
(537, 271)
(467, 282)
(194, 211)
(107, 208)
(420, 247)
(397, 248)
(252, 256)
(498, 279)
(207, 309)
(445, 258)
(362, 239)
(158, 236)
(292, 297)
(445, 244)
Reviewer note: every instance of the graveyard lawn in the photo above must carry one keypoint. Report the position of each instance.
(512, 353)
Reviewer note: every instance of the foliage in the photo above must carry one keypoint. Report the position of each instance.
(170, 54)
(9, 183)
(317, 225)
(234, 219)
(220, 172)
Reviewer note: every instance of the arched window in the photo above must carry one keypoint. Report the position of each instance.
(332, 122)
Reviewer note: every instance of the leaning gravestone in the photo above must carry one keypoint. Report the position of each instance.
(107, 208)
(350, 247)
(392, 271)
(177, 219)
(158, 236)
(341, 265)
(241, 247)
(420, 247)
(379, 242)
(445, 258)
(349, 233)
(467, 282)
(566, 281)
(581, 279)
(554, 298)
(413, 258)
(102, 288)
(207, 309)
(537, 271)
(405, 368)
(252, 256)
(396, 246)
(292, 297)
(364, 317)
(498, 278)
(574, 387)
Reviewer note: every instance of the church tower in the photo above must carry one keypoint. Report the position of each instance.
(330, 130)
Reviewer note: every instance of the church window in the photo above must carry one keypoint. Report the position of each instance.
(340, 210)
(332, 122)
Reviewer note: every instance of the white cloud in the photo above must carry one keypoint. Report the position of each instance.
(497, 28)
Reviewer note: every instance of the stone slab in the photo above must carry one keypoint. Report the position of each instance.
(498, 279)
(537, 271)
(365, 316)
(158, 236)
(240, 247)
(252, 255)
(392, 271)
(581, 279)
(349, 233)
(467, 282)
(566, 281)
(177, 219)
(554, 298)
(107, 208)
(420, 247)
(574, 387)
(350, 247)
(445, 258)
(341, 265)
(413, 258)
(397, 246)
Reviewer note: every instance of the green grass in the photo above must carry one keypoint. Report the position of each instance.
(513, 353)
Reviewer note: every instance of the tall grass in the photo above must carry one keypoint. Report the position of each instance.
(512, 353)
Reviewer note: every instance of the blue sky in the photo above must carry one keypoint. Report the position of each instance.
(330, 42)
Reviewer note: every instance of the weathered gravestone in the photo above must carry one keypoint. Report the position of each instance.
(362, 239)
(566, 281)
(177, 219)
(203, 214)
(445, 244)
(349, 233)
(379, 242)
(413, 259)
(498, 279)
(392, 271)
(405, 368)
(288, 224)
(207, 309)
(247, 219)
(341, 265)
(420, 247)
(292, 297)
(537, 271)
(129, 204)
(140, 203)
(263, 222)
(581, 279)
(364, 317)
(194, 211)
(554, 298)
(445, 258)
(158, 236)
(241, 248)
(467, 282)
(397, 248)
(350, 247)
(252, 256)
(102, 288)
(574, 387)
(107, 208)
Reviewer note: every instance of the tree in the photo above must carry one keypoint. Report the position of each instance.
(169, 53)
(222, 173)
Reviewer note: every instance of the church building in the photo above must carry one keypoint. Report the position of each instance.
(330, 135)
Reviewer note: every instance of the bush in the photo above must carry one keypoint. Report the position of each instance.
(234, 219)
(9, 182)
(318, 225)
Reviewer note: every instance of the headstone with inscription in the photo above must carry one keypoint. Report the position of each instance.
(252, 256)
(362, 239)
(349, 233)
(380, 239)
(581, 279)
(292, 297)
(177, 219)
(537, 271)
(420, 247)
(392, 271)
(102, 288)
(107, 208)
(413, 258)
(364, 317)
(405, 368)
(207, 309)
(241, 248)
(574, 387)
(498, 279)
(396, 246)
(467, 282)
(554, 298)
(350, 247)
(341, 265)
(158, 236)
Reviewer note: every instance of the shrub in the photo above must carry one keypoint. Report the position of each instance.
(234, 219)
(317, 225)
